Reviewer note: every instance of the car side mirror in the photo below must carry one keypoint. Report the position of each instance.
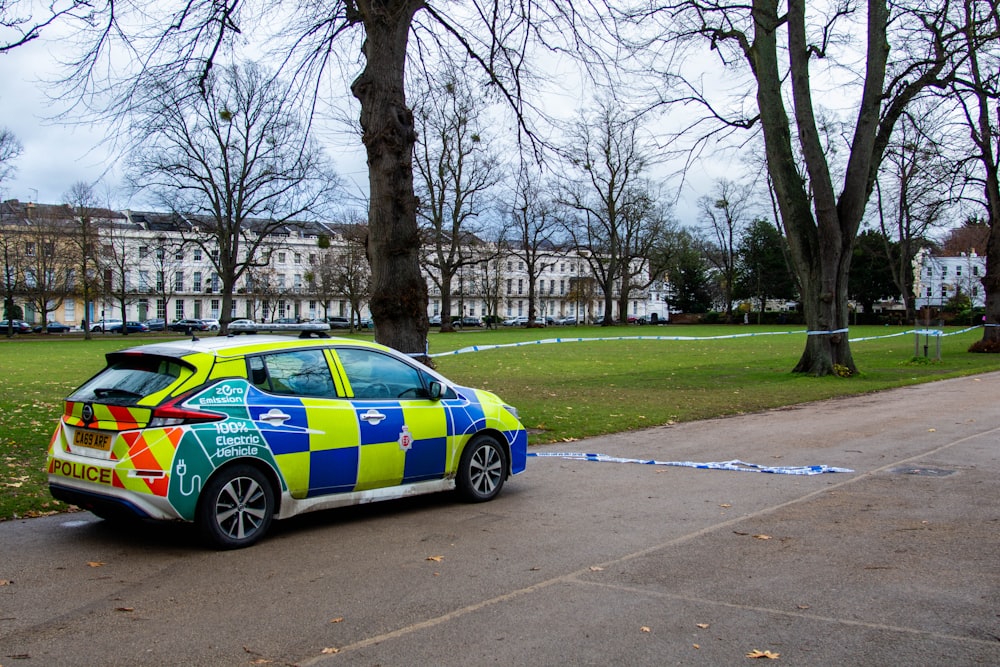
(434, 390)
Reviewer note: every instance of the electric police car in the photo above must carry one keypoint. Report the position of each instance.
(231, 432)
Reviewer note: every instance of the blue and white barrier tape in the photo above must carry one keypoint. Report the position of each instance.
(734, 465)
(549, 341)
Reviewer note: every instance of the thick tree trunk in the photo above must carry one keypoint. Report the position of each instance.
(399, 293)
(820, 227)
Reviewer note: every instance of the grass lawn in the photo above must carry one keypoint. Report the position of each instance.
(564, 391)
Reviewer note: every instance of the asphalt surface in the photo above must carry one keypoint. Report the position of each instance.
(576, 563)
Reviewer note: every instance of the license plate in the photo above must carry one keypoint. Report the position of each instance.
(92, 439)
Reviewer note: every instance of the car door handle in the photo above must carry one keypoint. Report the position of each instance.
(274, 417)
(372, 417)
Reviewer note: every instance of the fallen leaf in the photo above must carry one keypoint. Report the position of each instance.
(762, 537)
(5, 582)
(436, 559)
(695, 645)
(329, 650)
(738, 532)
(725, 505)
(645, 628)
(95, 563)
(339, 619)
(763, 654)
(125, 609)
(803, 606)
(596, 568)
(702, 625)
(932, 430)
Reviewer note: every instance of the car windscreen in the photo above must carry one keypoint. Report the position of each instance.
(127, 379)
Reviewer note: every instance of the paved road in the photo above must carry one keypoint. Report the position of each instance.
(577, 563)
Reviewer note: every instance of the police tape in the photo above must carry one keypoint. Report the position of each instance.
(550, 341)
(734, 465)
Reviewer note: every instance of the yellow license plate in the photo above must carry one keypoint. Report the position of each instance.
(92, 439)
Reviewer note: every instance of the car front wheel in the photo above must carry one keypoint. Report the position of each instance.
(236, 507)
(482, 469)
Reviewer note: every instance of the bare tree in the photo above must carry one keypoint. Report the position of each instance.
(86, 238)
(19, 24)
(977, 91)
(530, 236)
(608, 155)
(48, 260)
(118, 268)
(456, 168)
(10, 149)
(782, 47)
(236, 158)
(726, 212)
(314, 38)
(910, 199)
(341, 270)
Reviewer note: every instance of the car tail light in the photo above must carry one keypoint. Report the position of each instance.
(172, 413)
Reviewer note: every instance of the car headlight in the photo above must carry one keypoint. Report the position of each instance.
(512, 410)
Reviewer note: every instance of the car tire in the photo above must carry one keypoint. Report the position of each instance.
(482, 469)
(236, 507)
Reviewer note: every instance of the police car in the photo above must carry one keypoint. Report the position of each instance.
(230, 433)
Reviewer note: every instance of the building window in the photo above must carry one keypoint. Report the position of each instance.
(196, 276)
(159, 282)
(298, 258)
(520, 286)
(179, 255)
(197, 309)
(179, 309)
(143, 250)
(179, 281)
(197, 254)
(281, 258)
(161, 309)
(214, 309)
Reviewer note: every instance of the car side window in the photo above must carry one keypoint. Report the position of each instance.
(295, 373)
(373, 375)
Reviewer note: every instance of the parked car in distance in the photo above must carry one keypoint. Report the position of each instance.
(104, 325)
(131, 326)
(338, 322)
(231, 433)
(286, 320)
(156, 324)
(516, 321)
(52, 328)
(20, 326)
(187, 325)
(566, 321)
(469, 322)
(212, 322)
(435, 321)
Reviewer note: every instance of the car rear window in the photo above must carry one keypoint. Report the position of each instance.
(128, 379)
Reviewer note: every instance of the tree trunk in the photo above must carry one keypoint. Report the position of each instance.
(446, 325)
(399, 293)
(820, 227)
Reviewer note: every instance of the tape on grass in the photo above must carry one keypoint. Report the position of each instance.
(551, 341)
(734, 465)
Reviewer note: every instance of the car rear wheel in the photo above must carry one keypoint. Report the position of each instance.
(236, 507)
(482, 469)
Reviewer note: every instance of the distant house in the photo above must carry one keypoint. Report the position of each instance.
(938, 278)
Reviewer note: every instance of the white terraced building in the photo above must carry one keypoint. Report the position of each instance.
(151, 259)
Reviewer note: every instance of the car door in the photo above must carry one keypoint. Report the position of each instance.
(404, 433)
(300, 407)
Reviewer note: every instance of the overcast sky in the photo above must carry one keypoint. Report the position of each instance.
(57, 155)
